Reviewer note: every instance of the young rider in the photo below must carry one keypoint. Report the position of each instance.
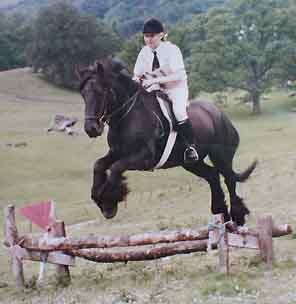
(166, 57)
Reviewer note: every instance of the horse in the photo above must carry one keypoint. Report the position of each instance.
(137, 136)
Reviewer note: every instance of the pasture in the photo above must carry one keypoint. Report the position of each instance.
(36, 166)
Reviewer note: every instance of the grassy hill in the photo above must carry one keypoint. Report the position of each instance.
(59, 167)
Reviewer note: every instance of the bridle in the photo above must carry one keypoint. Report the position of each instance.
(106, 117)
(96, 117)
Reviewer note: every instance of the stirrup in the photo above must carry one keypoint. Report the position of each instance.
(191, 155)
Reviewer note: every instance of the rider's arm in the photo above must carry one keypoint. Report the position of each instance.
(140, 66)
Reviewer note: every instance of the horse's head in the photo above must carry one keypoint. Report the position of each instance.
(97, 84)
(93, 92)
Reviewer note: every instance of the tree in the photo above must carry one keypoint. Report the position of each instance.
(131, 49)
(64, 38)
(243, 46)
(14, 37)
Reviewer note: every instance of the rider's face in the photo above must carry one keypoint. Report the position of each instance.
(153, 40)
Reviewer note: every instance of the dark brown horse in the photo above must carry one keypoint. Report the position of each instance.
(137, 135)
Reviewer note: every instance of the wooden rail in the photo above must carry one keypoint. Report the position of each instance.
(59, 249)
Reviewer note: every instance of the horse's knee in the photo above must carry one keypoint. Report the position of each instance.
(99, 166)
(115, 189)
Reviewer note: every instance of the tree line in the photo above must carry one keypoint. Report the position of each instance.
(245, 44)
(126, 16)
(58, 39)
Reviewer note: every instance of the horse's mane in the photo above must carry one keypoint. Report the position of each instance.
(120, 69)
(113, 71)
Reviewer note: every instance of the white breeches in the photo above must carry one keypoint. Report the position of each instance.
(179, 98)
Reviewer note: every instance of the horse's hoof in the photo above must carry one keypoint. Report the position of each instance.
(110, 212)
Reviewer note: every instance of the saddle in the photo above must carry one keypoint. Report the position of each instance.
(169, 107)
(162, 98)
(166, 107)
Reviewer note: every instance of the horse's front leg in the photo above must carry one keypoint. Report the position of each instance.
(100, 175)
(115, 188)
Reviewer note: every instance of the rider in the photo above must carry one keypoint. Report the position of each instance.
(166, 57)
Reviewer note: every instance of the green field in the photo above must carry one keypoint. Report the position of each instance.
(59, 167)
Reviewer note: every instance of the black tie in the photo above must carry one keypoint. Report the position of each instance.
(155, 63)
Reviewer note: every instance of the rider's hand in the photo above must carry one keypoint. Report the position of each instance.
(148, 82)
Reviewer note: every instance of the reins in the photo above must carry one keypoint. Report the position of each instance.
(132, 100)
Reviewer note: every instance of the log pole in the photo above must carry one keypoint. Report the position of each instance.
(91, 241)
(140, 254)
(264, 227)
(243, 236)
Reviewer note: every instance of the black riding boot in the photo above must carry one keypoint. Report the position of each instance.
(185, 129)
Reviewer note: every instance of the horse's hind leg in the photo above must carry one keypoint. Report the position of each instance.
(211, 175)
(238, 209)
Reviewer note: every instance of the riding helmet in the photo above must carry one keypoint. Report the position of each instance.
(153, 26)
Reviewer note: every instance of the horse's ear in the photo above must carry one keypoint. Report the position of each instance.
(99, 68)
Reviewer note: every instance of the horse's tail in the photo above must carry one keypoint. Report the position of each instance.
(232, 139)
(223, 155)
(243, 176)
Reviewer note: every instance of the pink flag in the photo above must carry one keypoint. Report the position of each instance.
(41, 214)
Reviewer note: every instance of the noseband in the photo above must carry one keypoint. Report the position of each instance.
(103, 117)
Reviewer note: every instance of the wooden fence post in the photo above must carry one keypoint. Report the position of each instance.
(57, 229)
(264, 226)
(223, 247)
(11, 235)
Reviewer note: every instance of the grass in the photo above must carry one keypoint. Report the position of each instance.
(59, 167)
(221, 284)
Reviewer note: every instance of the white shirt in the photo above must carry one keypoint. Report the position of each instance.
(170, 61)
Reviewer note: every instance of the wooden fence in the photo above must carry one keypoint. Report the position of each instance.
(56, 248)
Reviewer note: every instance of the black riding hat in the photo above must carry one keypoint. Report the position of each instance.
(153, 26)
